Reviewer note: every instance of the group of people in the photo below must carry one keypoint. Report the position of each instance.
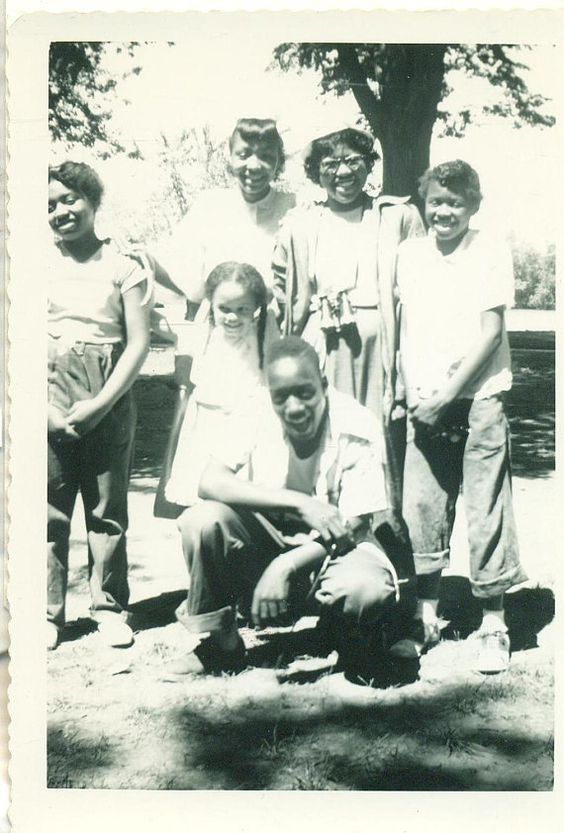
(348, 377)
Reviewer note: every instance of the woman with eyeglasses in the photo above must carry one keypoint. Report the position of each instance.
(334, 278)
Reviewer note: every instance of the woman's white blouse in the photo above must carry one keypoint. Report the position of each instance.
(221, 226)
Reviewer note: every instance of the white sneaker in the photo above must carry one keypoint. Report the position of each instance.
(115, 633)
(492, 651)
(51, 636)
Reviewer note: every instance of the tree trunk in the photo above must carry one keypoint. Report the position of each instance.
(405, 150)
(411, 86)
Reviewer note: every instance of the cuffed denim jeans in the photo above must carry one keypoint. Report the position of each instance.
(436, 468)
(228, 549)
(98, 466)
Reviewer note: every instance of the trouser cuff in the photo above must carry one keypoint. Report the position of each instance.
(431, 562)
(215, 620)
(497, 586)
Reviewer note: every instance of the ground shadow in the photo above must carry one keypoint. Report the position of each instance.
(156, 399)
(531, 408)
(157, 611)
(71, 754)
(399, 741)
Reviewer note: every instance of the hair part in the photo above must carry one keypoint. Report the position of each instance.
(80, 178)
(458, 176)
(261, 132)
(249, 279)
(357, 140)
(293, 347)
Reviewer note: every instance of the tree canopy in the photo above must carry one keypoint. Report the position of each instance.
(399, 89)
(80, 92)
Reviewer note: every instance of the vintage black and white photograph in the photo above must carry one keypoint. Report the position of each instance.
(300, 445)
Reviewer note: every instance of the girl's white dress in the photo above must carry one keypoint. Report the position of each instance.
(229, 386)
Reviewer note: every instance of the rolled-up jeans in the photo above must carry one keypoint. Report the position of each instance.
(98, 466)
(479, 461)
(227, 549)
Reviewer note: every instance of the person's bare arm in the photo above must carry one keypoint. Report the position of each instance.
(270, 599)
(218, 482)
(86, 414)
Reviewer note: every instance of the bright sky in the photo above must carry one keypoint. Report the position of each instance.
(200, 82)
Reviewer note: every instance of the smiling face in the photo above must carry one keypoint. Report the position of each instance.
(71, 216)
(343, 174)
(448, 214)
(255, 165)
(298, 395)
(234, 309)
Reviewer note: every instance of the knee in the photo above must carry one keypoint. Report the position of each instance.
(367, 603)
(361, 587)
(203, 519)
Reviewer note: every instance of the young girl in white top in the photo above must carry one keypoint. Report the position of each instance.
(227, 372)
(99, 308)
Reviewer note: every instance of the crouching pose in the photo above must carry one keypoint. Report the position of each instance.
(288, 515)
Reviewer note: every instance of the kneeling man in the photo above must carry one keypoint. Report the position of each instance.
(288, 511)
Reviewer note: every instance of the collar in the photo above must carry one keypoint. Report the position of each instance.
(347, 417)
(263, 204)
(460, 249)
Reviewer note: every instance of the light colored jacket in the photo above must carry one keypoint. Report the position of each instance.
(390, 220)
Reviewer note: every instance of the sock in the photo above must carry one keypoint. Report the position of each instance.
(494, 620)
(426, 609)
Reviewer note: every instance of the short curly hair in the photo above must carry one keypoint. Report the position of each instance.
(357, 140)
(80, 178)
(293, 347)
(261, 132)
(458, 176)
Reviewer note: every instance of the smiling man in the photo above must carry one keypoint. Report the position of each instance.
(288, 515)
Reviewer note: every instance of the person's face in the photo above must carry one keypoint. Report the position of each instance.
(343, 174)
(254, 164)
(298, 395)
(233, 309)
(71, 215)
(447, 214)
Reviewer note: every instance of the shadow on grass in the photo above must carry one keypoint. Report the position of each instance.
(71, 760)
(156, 612)
(379, 746)
(530, 409)
(156, 398)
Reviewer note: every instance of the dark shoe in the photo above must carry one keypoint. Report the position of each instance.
(421, 637)
(207, 658)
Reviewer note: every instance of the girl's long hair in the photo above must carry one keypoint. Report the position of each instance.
(250, 279)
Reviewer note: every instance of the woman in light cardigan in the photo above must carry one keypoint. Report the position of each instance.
(334, 280)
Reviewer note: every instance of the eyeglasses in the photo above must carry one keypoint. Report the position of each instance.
(331, 166)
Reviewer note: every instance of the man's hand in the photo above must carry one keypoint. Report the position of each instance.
(270, 599)
(58, 428)
(334, 530)
(428, 413)
(85, 415)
